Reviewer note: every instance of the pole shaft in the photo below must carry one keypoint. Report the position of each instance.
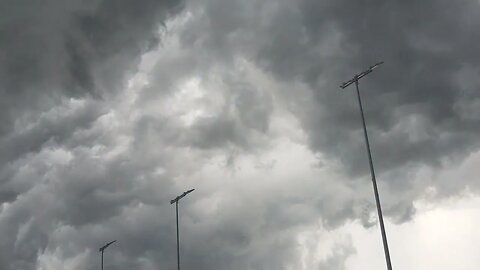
(178, 238)
(102, 259)
(374, 181)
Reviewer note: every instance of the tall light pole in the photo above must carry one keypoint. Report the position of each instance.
(102, 249)
(355, 80)
(176, 210)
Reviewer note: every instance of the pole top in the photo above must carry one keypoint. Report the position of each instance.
(361, 75)
(181, 196)
(376, 65)
(106, 245)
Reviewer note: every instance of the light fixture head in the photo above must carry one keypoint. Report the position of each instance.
(106, 245)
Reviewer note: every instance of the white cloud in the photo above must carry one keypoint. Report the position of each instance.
(442, 236)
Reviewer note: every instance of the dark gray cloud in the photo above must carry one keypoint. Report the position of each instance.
(59, 62)
(414, 103)
(51, 52)
(420, 105)
(86, 159)
(60, 49)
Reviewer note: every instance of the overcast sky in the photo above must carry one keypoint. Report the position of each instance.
(110, 109)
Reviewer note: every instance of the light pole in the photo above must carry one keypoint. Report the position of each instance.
(102, 249)
(372, 171)
(176, 210)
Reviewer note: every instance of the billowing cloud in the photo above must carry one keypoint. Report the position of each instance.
(419, 105)
(111, 108)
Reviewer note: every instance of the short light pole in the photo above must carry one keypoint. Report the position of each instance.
(102, 249)
(355, 80)
(176, 210)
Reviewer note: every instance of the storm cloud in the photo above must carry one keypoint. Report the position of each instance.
(111, 108)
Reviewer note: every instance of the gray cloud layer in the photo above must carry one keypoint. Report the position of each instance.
(420, 106)
(84, 161)
(58, 60)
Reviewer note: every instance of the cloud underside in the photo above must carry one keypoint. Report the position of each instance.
(111, 108)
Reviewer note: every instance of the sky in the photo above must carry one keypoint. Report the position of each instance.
(111, 108)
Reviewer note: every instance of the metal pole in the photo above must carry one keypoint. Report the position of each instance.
(374, 181)
(178, 238)
(102, 249)
(178, 233)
